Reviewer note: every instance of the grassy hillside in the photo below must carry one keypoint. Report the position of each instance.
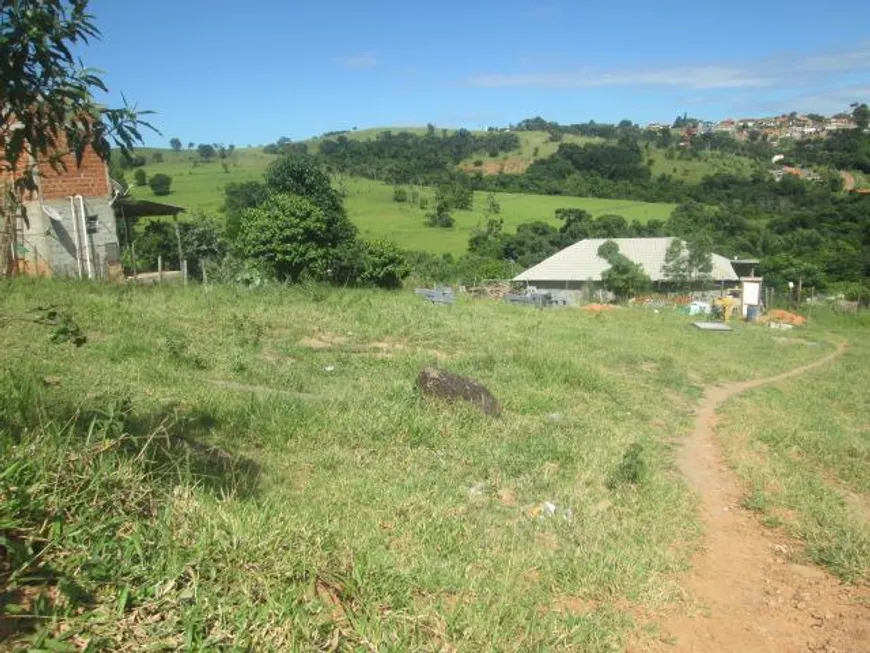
(197, 185)
(371, 206)
(692, 170)
(224, 468)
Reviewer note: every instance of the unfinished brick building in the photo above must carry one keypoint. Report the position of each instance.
(67, 226)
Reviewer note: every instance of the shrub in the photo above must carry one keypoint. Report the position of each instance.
(385, 265)
(305, 177)
(400, 194)
(157, 157)
(139, 177)
(440, 216)
(291, 237)
(160, 184)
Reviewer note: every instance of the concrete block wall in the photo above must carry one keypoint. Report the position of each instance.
(49, 245)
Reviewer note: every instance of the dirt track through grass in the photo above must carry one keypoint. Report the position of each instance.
(757, 600)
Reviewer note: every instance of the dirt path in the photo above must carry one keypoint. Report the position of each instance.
(848, 180)
(748, 596)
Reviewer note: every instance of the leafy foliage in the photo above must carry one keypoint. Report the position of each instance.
(440, 216)
(206, 152)
(48, 110)
(292, 237)
(623, 278)
(305, 177)
(686, 265)
(160, 184)
(409, 158)
(385, 265)
(239, 196)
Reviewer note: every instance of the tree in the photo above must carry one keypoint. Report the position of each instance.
(160, 184)
(206, 152)
(175, 144)
(305, 177)
(384, 266)
(700, 258)
(191, 145)
(239, 196)
(687, 264)
(623, 278)
(291, 237)
(440, 215)
(139, 177)
(157, 157)
(47, 110)
(488, 241)
(492, 205)
(861, 115)
(676, 266)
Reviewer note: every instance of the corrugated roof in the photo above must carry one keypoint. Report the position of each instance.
(580, 261)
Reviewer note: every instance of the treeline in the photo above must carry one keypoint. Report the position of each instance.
(411, 158)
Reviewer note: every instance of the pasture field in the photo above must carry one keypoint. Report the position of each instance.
(370, 203)
(224, 468)
(802, 449)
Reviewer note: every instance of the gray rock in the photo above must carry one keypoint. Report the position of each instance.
(447, 385)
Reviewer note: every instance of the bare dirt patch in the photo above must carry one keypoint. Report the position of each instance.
(323, 341)
(513, 166)
(743, 593)
(779, 315)
(598, 308)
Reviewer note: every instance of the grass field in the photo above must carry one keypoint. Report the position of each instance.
(370, 204)
(803, 450)
(693, 171)
(222, 468)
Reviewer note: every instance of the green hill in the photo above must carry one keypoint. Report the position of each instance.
(199, 186)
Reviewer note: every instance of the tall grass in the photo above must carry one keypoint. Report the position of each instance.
(222, 468)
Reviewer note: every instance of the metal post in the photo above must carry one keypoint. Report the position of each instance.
(160, 268)
(133, 256)
(184, 271)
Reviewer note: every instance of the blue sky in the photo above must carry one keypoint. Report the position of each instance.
(247, 73)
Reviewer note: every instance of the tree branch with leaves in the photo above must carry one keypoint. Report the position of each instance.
(47, 106)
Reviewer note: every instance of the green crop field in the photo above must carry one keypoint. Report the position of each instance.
(220, 467)
(197, 185)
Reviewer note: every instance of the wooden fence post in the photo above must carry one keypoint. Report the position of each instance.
(159, 268)
(184, 271)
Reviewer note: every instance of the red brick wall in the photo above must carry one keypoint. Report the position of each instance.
(90, 179)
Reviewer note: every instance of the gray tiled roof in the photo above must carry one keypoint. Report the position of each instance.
(580, 261)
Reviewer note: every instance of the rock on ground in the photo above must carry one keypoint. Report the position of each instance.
(447, 385)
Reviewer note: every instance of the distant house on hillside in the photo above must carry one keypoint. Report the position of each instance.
(575, 272)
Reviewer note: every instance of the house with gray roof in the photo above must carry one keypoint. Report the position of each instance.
(574, 273)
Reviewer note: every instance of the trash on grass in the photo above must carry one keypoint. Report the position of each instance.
(712, 326)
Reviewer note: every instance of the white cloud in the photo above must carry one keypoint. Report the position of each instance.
(359, 61)
(770, 73)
